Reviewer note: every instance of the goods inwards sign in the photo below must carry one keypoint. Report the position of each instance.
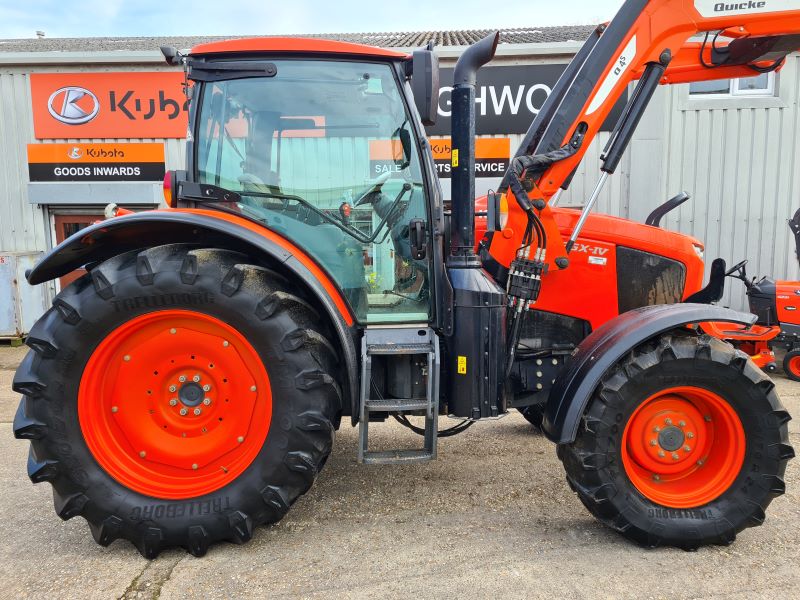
(96, 162)
(491, 156)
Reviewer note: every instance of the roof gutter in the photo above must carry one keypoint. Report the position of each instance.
(107, 57)
(138, 57)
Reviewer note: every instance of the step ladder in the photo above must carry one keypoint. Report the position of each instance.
(399, 341)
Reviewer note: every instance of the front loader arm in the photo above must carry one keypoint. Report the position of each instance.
(741, 39)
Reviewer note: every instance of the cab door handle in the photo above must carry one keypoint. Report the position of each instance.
(418, 239)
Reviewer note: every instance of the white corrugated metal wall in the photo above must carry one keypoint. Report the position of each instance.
(22, 225)
(738, 158)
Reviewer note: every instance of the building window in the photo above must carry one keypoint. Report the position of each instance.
(759, 85)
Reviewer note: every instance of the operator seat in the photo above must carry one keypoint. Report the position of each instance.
(715, 286)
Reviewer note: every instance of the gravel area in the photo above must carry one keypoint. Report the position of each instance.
(492, 517)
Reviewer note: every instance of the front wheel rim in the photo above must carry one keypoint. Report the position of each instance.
(175, 404)
(794, 366)
(683, 447)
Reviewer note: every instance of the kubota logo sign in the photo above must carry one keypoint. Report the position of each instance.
(73, 105)
(108, 105)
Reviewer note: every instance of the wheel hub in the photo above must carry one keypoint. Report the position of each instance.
(175, 404)
(190, 394)
(671, 438)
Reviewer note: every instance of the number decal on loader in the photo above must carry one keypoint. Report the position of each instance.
(462, 365)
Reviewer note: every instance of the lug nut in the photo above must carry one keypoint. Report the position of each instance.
(661, 454)
(126, 358)
(173, 331)
(700, 462)
(142, 454)
(656, 478)
(252, 388)
(690, 435)
(668, 421)
(687, 448)
(173, 388)
(653, 443)
(196, 378)
(197, 411)
(240, 439)
(184, 411)
(675, 456)
(173, 401)
(682, 423)
(194, 466)
(656, 429)
(225, 344)
(707, 418)
(182, 378)
(206, 388)
(206, 401)
(114, 409)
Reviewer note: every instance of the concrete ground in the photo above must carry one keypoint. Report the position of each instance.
(493, 517)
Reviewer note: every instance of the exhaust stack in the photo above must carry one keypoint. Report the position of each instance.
(462, 247)
(477, 346)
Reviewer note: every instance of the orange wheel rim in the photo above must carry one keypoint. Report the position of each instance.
(794, 365)
(683, 447)
(175, 404)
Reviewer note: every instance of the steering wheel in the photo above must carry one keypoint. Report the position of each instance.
(375, 186)
(737, 267)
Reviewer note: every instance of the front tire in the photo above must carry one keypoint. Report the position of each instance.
(177, 397)
(791, 365)
(684, 444)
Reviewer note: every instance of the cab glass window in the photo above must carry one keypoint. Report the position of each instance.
(323, 153)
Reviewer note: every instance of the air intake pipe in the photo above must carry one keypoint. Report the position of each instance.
(462, 248)
(476, 348)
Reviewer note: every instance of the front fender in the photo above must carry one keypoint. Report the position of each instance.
(215, 229)
(601, 350)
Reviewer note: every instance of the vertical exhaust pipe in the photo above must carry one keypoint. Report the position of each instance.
(476, 349)
(462, 248)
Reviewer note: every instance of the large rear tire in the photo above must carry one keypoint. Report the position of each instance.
(684, 444)
(177, 397)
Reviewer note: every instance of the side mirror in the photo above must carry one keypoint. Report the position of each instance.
(425, 83)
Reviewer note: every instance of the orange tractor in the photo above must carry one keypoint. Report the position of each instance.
(775, 304)
(188, 387)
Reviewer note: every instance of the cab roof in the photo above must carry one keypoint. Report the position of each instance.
(293, 45)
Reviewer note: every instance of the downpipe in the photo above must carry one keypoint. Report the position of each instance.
(476, 348)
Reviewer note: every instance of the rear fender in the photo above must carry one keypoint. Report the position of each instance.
(601, 350)
(106, 239)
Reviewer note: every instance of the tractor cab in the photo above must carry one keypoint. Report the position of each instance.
(324, 150)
